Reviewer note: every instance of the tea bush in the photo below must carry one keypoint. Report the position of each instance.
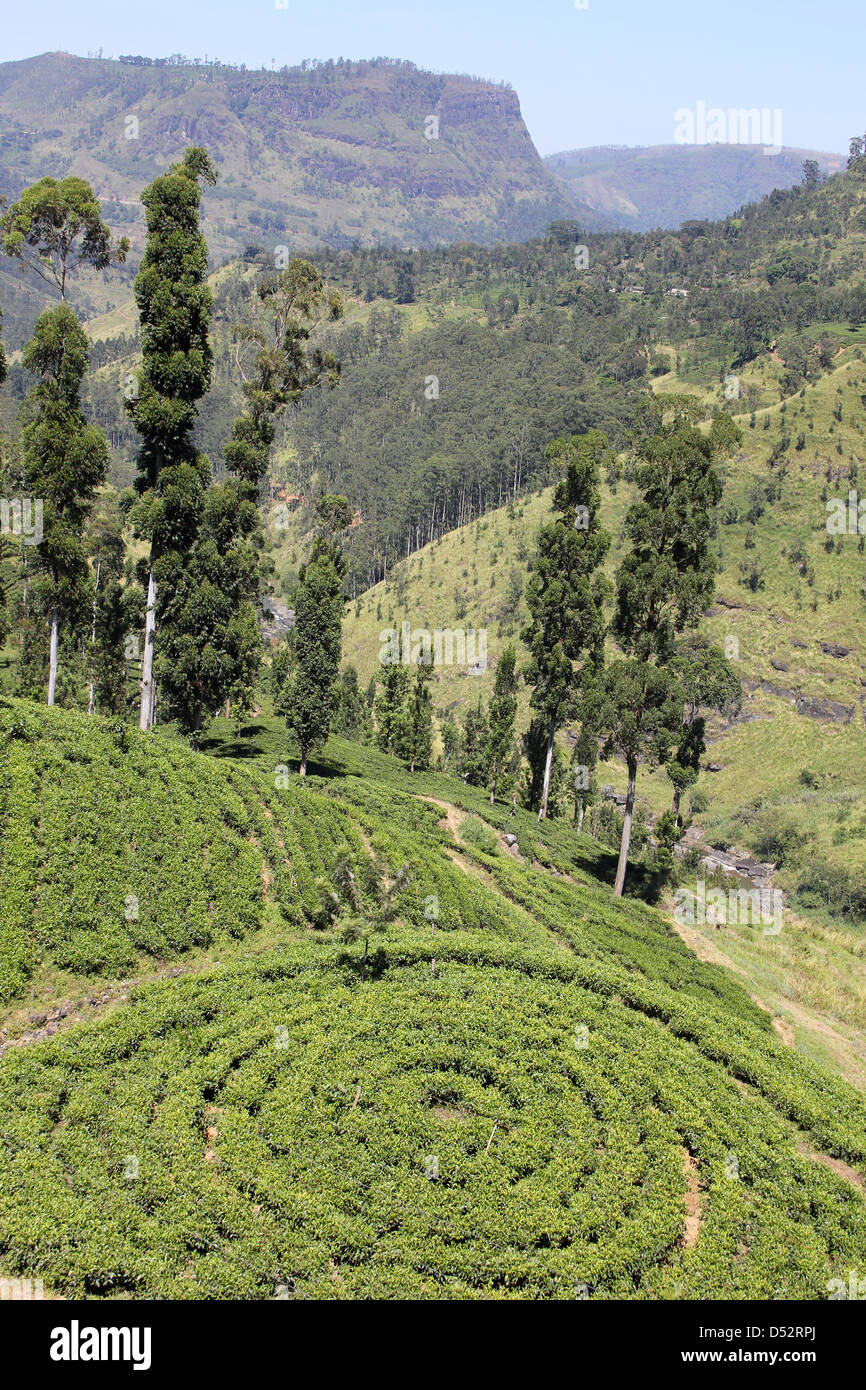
(512, 1104)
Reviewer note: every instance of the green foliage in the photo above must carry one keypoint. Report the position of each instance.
(517, 1038)
(317, 639)
(390, 706)
(56, 227)
(476, 833)
(416, 742)
(566, 592)
(186, 590)
(473, 746)
(352, 716)
(62, 462)
(112, 850)
(501, 714)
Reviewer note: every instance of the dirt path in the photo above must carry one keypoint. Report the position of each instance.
(842, 1170)
(453, 817)
(694, 1206)
(57, 1017)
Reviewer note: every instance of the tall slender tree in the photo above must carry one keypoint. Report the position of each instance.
(390, 706)
(106, 658)
(417, 742)
(664, 583)
(567, 590)
(319, 604)
(54, 229)
(501, 714)
(63, 461)
(174, 304)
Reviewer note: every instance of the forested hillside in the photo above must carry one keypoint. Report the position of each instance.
(460, 364)
(395, 643)
(322, 153)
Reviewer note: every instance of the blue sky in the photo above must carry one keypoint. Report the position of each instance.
(614, 73)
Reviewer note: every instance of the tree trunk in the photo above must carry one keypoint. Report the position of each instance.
(626, 831)
(145, 721)
(492, 791)
(302, 770)
(676, 806)
(196, 733)
(52, 669)
(91, 699)
(581, 816)
(548, 764)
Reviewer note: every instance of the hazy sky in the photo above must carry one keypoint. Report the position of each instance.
(613, 73)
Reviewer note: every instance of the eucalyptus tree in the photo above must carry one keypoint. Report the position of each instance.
(566, 592)
(62, 462)
(664, 583)
(55, 228)
(175, 306)
(311, 695)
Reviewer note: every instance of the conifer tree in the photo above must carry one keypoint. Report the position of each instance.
(63, 460)
(390, 706)
(353, 714)
(473, 746)
(174, 305)
(317, 636)
(501, 714)
(664, 583)
(416, 744)
(566, 592)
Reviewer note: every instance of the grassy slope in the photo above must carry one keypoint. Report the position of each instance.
(814, 975)
(425, 590)
(527, 1101)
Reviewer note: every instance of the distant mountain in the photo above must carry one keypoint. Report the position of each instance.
(666, 185)
(376, 151)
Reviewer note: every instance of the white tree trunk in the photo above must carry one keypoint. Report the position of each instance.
(52, 668)
(145, 721)
(548, 763)
(626, 832)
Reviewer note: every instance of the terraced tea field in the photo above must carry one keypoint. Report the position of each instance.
(531, 1092)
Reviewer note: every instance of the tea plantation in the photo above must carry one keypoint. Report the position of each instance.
(529, 1092)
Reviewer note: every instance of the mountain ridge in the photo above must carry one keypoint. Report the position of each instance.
(643, 187)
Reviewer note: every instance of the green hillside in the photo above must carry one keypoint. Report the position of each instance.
(534, 1092)
(319, 154)
(460, 363)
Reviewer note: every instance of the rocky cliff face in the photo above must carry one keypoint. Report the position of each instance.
(378, 152)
